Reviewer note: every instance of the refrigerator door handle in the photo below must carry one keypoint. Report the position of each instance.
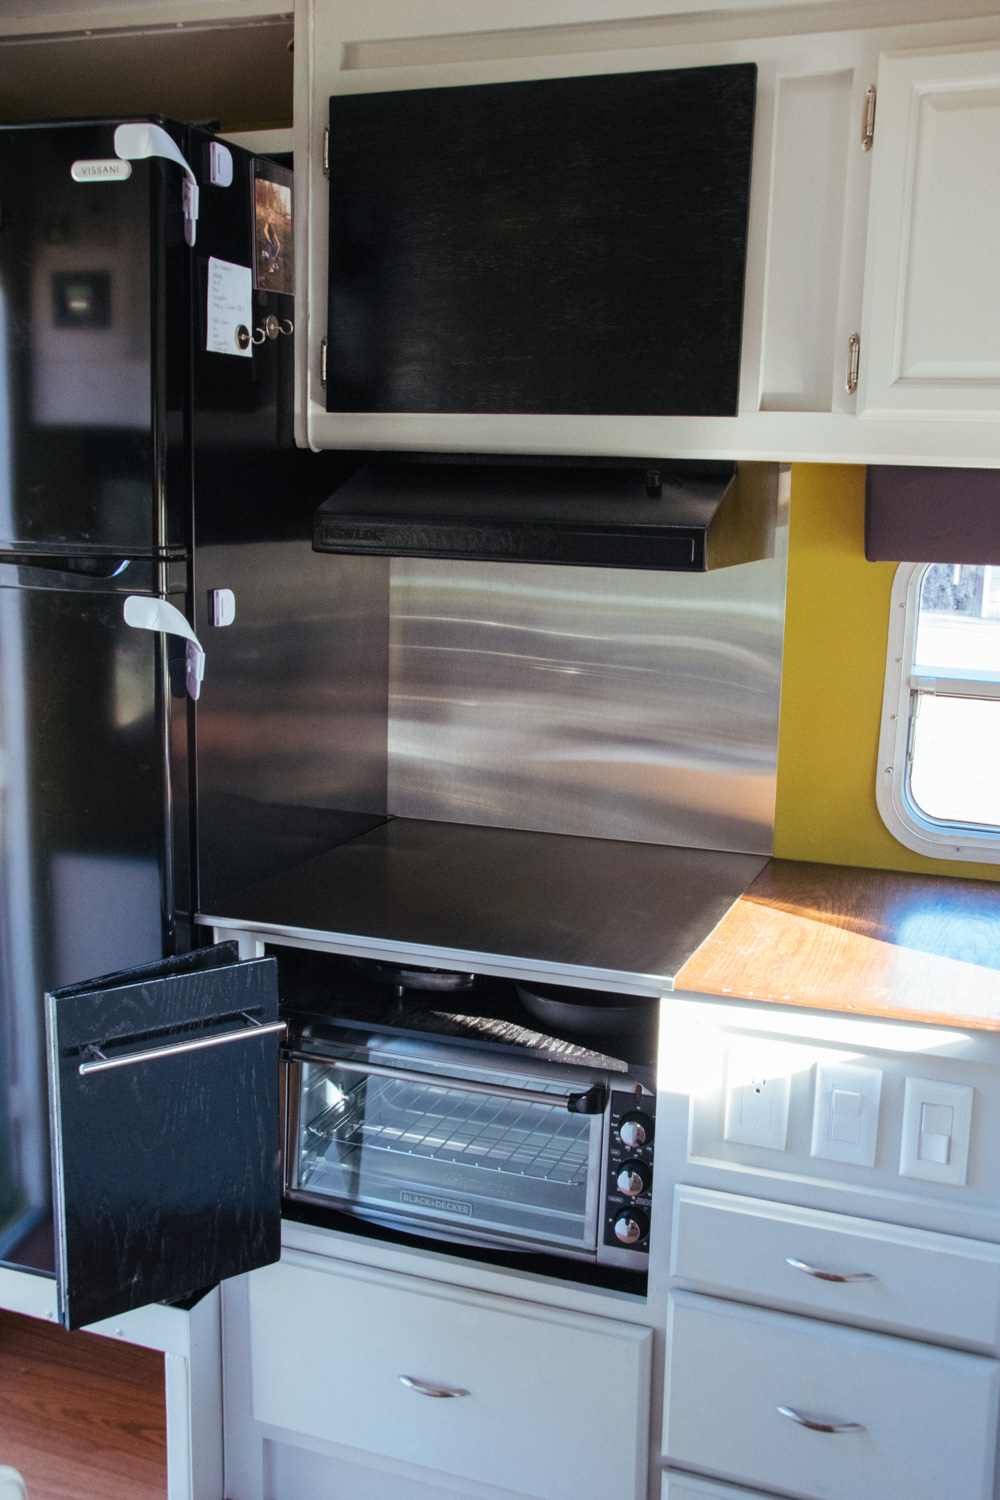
(71, 572)
(141, 139)
(145, 613)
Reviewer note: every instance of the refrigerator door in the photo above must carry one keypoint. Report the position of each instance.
(93, 327)
(165, 1141)
(93, 829)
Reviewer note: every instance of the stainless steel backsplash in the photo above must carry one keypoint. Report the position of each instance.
(602, 702)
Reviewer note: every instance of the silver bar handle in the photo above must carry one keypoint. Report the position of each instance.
(591, 1102)
(800, 1265)
(195, 1044)
(814, 1426)
(424, 1388)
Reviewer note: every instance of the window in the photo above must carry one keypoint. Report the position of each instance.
(938, 784)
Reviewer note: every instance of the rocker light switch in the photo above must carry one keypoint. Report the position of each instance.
(845, 1115)
(937, 1123)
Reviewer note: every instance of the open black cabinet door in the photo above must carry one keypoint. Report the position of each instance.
(163, 1087)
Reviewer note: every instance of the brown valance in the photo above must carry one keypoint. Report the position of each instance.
(915, 514)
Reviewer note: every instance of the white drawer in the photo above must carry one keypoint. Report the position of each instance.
(557, 1404)
(935, 1285)
(927, 1416)
(686, 1487)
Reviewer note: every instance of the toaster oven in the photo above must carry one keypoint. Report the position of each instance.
(489, 1148)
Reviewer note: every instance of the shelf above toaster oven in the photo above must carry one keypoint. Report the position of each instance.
(591, 912)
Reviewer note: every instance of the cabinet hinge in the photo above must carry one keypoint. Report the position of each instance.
(326, 150)
(322, 364)
(868, 120)
(853, 362)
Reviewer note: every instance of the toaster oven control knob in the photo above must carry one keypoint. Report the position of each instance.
(634, 1177)
(631, 1226)
(636, 1129)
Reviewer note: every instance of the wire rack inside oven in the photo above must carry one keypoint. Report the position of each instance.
(388, 1114)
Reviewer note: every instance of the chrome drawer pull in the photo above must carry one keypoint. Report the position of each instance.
(424, 1389)
(102, 1064)
(796, 1416)
(800, 1265)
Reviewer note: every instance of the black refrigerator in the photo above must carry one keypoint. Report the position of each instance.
(146, 322)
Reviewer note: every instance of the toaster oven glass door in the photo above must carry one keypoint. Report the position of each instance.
(402, 1148)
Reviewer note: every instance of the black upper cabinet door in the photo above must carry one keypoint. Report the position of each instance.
(165, 1138)
(564, 245)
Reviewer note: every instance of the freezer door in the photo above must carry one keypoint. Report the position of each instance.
(93, 325)
(163, 1087)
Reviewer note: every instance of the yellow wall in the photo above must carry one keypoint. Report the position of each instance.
(836, 629)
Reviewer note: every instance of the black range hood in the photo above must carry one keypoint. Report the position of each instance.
(676, 517)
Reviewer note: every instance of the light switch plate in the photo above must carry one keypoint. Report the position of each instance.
(757, 1094)
(845, 1113)
(929, 1149)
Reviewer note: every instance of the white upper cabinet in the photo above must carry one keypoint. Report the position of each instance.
(907, 231)
(931, 344)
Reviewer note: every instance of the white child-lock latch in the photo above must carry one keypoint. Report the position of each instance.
(145, 613)
(135, 141)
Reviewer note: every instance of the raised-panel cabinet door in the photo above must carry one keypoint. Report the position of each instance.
(931, 334)
(533, 1400)
(163, 1086)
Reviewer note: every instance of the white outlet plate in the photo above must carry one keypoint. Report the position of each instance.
(845, 1113)
(936, 1157)
(757, 1092)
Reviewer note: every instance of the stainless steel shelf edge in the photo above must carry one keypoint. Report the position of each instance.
(602, 913)
(501, 966)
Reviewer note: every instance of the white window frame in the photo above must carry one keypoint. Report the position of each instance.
(900, 814)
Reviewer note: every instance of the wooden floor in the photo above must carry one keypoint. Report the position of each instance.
(81, 1417)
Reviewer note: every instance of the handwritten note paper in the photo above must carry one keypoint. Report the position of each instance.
(230, 308)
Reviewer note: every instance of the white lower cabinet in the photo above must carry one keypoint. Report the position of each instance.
(687, 1487)
(543, 1402)
(902, 1420)
(828, 1265)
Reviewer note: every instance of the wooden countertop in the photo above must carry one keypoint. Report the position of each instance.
(913, 947)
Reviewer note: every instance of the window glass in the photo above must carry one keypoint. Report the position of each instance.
(958, 626)
(955, 767)
(955, 741)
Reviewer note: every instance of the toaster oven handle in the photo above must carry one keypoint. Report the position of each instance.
(592, 1102)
